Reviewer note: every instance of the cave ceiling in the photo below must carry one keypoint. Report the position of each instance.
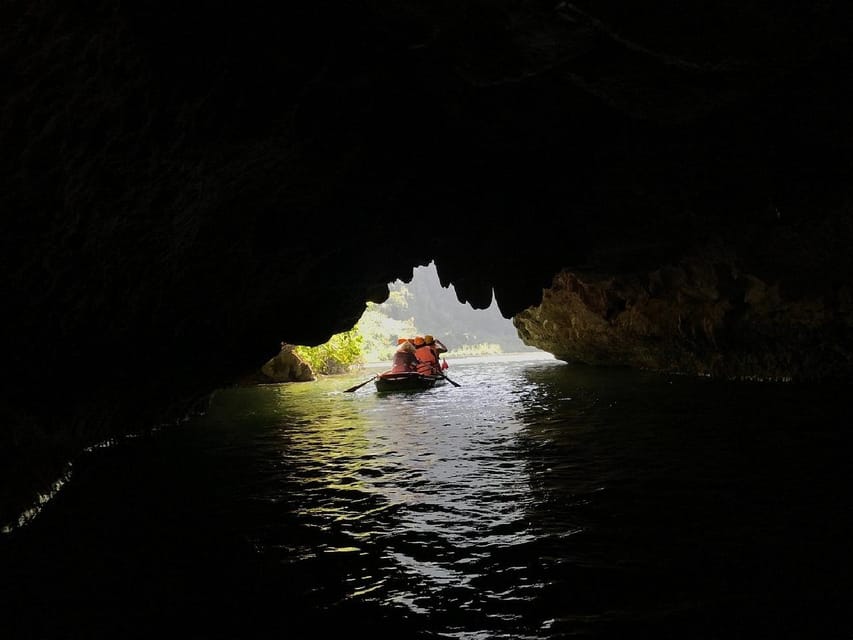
(187, 185)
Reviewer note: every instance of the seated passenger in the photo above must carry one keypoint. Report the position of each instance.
(437, 345)
(427, 352)
(404, 358)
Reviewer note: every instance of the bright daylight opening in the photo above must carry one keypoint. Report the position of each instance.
(421, 307)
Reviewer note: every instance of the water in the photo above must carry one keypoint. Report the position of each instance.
(536, 500)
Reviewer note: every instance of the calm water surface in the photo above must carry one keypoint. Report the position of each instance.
(536, 500)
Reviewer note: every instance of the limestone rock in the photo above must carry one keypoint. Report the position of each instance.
(287, 366)
(703, 316)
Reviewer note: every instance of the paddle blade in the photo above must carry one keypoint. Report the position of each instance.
(455, 384)
(358, 386)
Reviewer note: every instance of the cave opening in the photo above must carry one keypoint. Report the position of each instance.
(415, 306)
(423, 305)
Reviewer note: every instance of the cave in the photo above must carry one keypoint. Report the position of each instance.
(184, 187)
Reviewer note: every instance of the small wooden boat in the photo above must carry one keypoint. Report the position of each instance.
(406, 381)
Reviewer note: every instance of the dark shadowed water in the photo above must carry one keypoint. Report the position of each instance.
(536, 500)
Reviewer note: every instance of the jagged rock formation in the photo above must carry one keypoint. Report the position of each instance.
(704, 315)
(286, 366)
(184, 188)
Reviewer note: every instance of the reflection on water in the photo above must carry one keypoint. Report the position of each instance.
(535, 500)
(421, 486)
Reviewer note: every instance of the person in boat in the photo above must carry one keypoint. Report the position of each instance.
(437, 347)
(424, 366)
(426, 351)
(404, 358)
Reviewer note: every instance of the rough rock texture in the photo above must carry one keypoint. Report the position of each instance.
(705, 314)
(185, 186)
(287, 366)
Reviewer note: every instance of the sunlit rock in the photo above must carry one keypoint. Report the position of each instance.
(700, 316)
(287, 366)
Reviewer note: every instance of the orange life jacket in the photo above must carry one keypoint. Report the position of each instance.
(427, 360)
(425, 353)
(425, 369)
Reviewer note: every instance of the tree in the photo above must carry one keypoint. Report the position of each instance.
(341, 353)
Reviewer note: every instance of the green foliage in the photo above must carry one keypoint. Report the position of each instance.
(414, 308)
(342, 352)
(380, 333)
(374, 339)
(397, 302)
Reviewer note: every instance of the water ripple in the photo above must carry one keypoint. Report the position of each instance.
(535, 500)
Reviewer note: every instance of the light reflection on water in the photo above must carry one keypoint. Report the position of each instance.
(535, 500)
(428, 485)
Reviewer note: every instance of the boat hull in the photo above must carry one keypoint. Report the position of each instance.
(388, 382)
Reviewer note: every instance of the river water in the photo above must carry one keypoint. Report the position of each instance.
(535, 500)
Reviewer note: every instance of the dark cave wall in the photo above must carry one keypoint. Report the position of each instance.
(185, 186)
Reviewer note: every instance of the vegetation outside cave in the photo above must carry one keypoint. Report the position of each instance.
(421, 306)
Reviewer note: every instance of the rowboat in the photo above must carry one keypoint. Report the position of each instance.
(406, 381)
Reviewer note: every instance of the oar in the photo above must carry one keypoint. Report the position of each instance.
(455, 384)
(359, 386)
